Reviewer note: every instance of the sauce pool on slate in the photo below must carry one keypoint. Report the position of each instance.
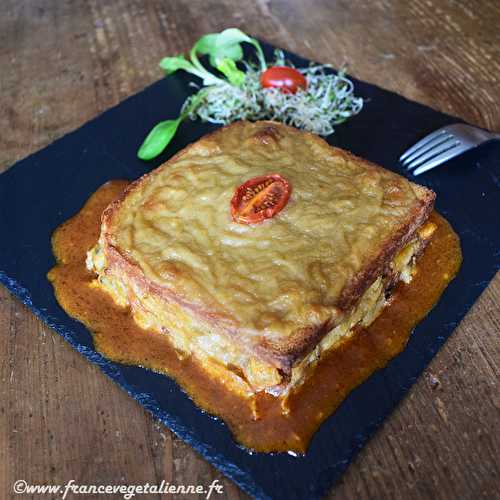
(118, 338)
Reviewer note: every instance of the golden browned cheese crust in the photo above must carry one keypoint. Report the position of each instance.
(274, 288)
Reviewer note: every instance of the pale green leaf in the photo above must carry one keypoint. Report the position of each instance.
(206, 44)
(230, 38)
(158, 139)
(229, 69)
(172, 64)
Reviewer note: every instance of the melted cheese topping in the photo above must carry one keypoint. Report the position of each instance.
(284, 273)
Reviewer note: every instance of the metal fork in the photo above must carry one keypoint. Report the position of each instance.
(443, 145)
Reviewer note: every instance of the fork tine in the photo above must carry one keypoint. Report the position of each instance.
(441, 148)
(441, 139)
(421, 143)
(437, 160)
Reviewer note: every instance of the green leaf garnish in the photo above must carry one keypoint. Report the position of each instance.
(158, 139)
(162, 133)
(206, 43)
(227, 45)
(172, 64)
(211, 45)
(229, 69)
(224, 46)
(223, 50)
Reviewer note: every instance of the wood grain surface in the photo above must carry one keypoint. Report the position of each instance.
(63, 62)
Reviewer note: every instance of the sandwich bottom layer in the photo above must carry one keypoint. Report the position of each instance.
(366, 340)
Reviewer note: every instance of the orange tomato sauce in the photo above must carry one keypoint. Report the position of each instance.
(120, 339)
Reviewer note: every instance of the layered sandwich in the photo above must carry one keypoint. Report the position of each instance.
(259, 249)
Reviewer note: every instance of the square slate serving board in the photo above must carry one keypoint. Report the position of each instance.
(45, 189)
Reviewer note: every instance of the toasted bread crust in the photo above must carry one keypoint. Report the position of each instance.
(281, 353)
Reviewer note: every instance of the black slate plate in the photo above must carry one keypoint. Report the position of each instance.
(43, 190)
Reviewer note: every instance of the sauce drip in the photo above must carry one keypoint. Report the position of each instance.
(118, 337)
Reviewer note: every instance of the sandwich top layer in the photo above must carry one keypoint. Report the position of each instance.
(288, 276)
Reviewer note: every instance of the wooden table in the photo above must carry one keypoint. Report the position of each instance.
(63, 62)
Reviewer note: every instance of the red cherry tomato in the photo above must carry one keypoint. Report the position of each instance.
(260, 198)
(284, 78)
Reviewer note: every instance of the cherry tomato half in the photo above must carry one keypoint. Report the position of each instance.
(260, 198)
(284, 78)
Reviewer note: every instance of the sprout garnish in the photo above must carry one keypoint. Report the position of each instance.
(235, 94)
